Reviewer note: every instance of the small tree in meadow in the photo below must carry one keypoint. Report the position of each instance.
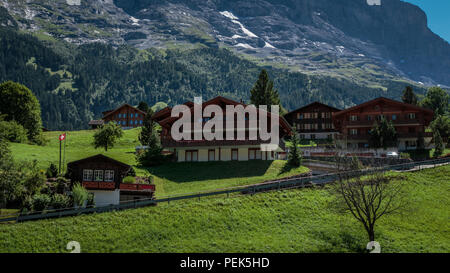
(294, 156)
(107, 136)
(439, 144)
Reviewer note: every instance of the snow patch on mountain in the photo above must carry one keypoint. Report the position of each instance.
(235, 19)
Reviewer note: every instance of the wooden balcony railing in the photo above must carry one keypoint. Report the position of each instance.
(137, 187)
(93, 185)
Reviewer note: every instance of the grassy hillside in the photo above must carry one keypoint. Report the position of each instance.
(170, 179)
(286, 221)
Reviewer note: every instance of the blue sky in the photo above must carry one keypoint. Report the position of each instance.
(438, 12)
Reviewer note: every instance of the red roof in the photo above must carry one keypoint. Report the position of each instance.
(383, 99)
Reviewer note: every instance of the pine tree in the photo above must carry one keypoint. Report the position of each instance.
(149, 138)
(263, 92)
(383, 135)
(295, 157)
(409, 96)
(143, 106)
(439, 145)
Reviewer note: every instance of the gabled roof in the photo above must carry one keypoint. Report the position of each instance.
(311, 104)
(386, 100)
(165, 112)
(224, 101)
(99, 157)
(108, 113)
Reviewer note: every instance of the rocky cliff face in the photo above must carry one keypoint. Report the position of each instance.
(333, 37)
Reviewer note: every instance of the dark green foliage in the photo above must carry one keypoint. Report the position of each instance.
(383, 135)
(149, 138)
(107, 136)
(420, 142)
(263, 92)
(62, 185)
(409, 96)
(147, 134)
(19, 104)
(40, 202)
(441, 124)
(143, 106)
(294, 156)
(437, 99)
(60, 201)
(439, 145)
(52, 171)
(13, 132)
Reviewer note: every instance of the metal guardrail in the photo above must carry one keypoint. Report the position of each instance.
(252, 189)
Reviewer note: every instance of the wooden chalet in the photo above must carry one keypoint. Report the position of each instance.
(103, 176)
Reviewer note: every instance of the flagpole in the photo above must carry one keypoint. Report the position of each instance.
(64, 156)
(59, 155)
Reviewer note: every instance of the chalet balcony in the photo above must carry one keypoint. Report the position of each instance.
(137, 187)
(170, 143)
(371, 123)
(99, 185)
(365, 137)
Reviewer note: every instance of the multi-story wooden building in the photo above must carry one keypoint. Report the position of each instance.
(410, 121)
(126, 116)
(218, 150)
(313, 121)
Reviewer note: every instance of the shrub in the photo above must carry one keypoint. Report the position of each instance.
(60, 201)
(80, 195)
(13, 131)
(52, 171)
(40, 202)
(62, 185)
(129, 180)
(405, 156)
(90, 200)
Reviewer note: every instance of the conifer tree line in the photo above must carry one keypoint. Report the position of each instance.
(75, 84)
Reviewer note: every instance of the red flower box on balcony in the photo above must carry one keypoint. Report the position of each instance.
(107, 185)
(130, 187)
(90, 185)
(146, 187)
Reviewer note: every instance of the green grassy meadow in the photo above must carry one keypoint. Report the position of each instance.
(286, 221)
(170, 179)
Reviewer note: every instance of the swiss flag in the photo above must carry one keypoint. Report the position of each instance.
(62, 137)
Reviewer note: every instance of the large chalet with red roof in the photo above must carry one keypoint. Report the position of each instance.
(410, 121)
(218, 150)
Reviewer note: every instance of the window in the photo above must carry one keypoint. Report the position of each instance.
(380, 117)
(124, 115)
(302, 136)
(131, 115)
(98, 175)
(87, 175)
(135, 122)
(254, 154)
(211, 155)
(353, 132)
(369, 118)
(300, 116)
(411, 116)
(394, 117)
(353, 118)
(120, 115)
(140, 122)
(109, 175)
(234, 154)
(191, 156)
(137, 115)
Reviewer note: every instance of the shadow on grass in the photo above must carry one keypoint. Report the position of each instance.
(204, 171)
(286, 168)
